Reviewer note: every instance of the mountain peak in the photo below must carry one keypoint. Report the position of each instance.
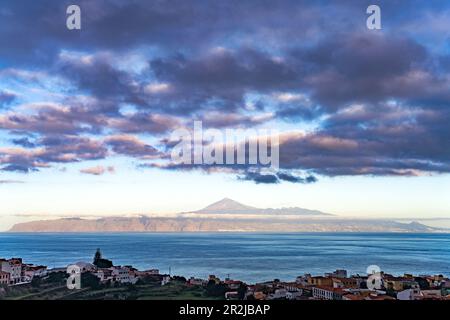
(226, 204)
(230, 206)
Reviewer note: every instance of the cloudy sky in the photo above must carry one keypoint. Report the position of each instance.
(86, 115)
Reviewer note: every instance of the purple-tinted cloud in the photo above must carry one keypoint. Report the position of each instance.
(51, 150)
(378, 101)
(6, 98)
(131, 146)
(98, 170)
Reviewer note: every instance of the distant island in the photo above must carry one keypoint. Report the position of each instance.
(227, 215)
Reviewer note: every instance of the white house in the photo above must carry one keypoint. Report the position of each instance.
(327, 293)
(104, 274)
(292, 295)
(303, 280)
(151, 272)
(165, 280)
(278, 294)
(409, 294)
(340, 273)
(233, 284)
(416, 294)
(231, 295)
(30, 271)
(14, 267)
(123, 275)
(85, 266)
(4, 278)
(197, 282)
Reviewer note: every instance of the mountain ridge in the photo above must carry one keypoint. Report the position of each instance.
(230, 206)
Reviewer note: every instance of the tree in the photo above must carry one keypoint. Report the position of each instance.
(391, 292)
(178, 278)
(100, 262)
(97, 256)
(242, 291)
(57, 277)
(36, 282)
(215, 290)
(423, 283)
(90, 280)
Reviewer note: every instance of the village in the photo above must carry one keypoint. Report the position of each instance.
(103, 280)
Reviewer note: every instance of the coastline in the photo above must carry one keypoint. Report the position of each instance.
(102, 280)
(249, 256)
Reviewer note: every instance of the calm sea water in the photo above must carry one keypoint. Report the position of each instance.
(249, 257)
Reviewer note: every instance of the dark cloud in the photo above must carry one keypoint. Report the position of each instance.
(221, 78)
(18, 168)
(270, 178)
(6, 98)
(145, 122)
(131, 146)
(296, 179)
(360, 68)
(259, 178)
(24, 142)
(171, 25)
(96, 75)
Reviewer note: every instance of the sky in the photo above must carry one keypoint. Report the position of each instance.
(87, 116)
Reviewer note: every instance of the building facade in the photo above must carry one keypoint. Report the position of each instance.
(4, 278)
(14, 268)
(327, 293)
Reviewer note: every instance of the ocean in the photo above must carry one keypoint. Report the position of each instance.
(251, 257)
